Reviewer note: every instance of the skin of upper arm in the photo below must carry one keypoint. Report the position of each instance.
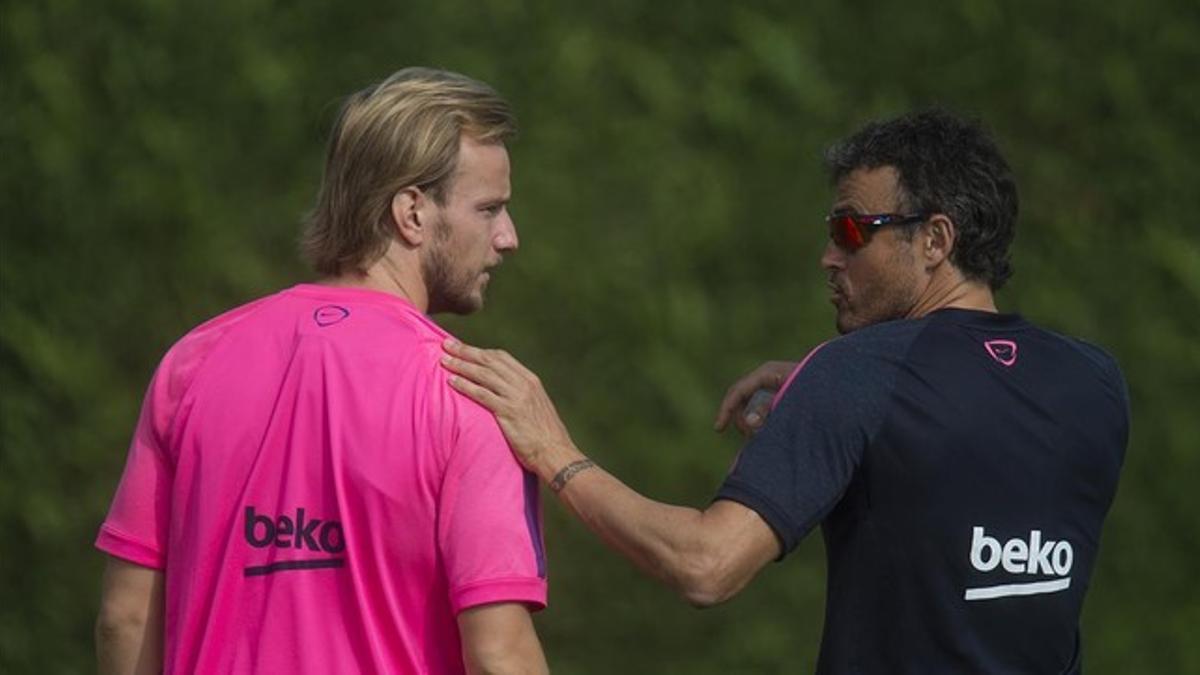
(499, 639)
(129, 624)
(737, 543)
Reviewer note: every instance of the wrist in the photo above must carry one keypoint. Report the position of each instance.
(554, 460)
(568, 472)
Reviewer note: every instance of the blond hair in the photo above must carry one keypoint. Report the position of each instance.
(400, 133)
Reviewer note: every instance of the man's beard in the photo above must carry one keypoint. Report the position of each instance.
(450, 289)
(887, 297)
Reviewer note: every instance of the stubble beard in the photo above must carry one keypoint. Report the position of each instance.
(889, 298)
(451, 289)
(884, 309)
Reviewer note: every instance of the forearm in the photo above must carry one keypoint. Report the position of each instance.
(129, 627)
(124, 647)
(528, 661)
(668, 542)
(707, 556)
(499, 639)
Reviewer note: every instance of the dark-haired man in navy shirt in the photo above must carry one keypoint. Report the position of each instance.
(960, 461)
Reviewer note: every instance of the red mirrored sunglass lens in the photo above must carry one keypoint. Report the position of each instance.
(845, 233)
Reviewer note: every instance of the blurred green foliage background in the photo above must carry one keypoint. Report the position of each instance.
(156, 157)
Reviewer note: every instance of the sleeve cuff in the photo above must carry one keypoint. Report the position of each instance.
(752, 499)
(120, 545)
(531, 592)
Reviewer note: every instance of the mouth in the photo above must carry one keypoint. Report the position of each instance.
(837, 296)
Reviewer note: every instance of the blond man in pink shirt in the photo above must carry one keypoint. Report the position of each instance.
(304, 492)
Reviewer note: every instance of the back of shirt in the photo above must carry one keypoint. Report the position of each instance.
(320, 498)
(962, 466)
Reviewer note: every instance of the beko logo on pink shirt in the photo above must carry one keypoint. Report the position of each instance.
(302, 532)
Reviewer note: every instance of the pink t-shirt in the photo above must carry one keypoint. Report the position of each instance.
(320, 498)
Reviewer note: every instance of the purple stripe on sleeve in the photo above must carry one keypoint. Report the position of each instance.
(533, 522)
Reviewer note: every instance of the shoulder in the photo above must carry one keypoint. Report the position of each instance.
(848, 381)
(462, 421)
(177, 369)
(1083, 356)
(179, 365)
(887, 340)
(867, 354)
(1094, 354)
(1093, 364)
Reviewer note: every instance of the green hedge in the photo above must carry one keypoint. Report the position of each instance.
(157, 158)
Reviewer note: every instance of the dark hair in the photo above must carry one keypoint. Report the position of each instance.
(948, 165)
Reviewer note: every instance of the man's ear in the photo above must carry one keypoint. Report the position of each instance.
(411, 215)
(938, 242)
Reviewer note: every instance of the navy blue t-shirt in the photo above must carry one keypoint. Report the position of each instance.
(960, 466)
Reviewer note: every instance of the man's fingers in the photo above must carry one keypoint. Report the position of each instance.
(723, 412)
(722, 420)
(736, 404)
(463, 350)
(498, 360)
(508, 365)
(734, 399)
(482, 375)
(481, 395)
(754, 414)
(740, 424)
(494, 359)
(758, 407)
(467, 355)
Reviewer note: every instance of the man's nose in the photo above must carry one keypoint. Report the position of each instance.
(833, 258)
(506, 234)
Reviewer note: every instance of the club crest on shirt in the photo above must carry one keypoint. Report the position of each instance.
(327, 315)
(1003, 351)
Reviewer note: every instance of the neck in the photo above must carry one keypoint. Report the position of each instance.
(397, 273)
(957, 293)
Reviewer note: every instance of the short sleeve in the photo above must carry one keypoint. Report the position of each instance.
(489, 529)
(794, 471)
(137, 523)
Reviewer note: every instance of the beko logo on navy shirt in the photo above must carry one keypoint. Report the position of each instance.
(1036, 556)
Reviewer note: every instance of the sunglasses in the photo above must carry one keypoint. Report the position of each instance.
(852, 231)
